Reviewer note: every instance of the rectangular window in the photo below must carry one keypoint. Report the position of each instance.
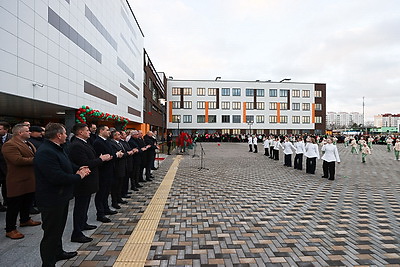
(201, 105)
(236, 118)
(236, 105)
(201, 118)
(187, 104)
(284, 119)
(318, 93)
(295, 106)
(318, 106)
(212, 118)
(187, 91)
(306, 119)
(284, 106)
(272, 105)
(260, 119)
(176, 104)
(225, 105)
(295, 119)
(176, 118)
(212, 91)
(176, 91)
(249, 92)
(226, 91)
(201, 91)
(235, 131)
(260, 105)
(260, 92)
(226, 118)
(187, 118)
(236, 91)
(250, 118)
(283, 92)
(212, 105)
(273, 119)
(306, 106)
(318, 119)
(273, 92)
(249, 105)
(295, 93)
(306, 93)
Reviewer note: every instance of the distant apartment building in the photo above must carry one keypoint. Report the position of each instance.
(387, 120)
(237, 107)
(343, 119)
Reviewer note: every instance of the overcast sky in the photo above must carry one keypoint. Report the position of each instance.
(352, 46)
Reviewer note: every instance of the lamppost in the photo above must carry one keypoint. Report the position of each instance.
(250, 123)
(178, 120)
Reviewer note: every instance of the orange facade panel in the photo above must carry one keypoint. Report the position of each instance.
(244, 112)
(313, 113)
(278, 112)
(170, 111)
(206, 112)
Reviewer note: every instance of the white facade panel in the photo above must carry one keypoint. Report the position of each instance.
(61, 45)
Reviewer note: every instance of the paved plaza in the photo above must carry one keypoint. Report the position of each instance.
(246, 209)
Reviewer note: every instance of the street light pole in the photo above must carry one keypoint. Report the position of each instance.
(364, 115)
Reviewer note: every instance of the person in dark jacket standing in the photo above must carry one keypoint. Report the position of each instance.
(102, 146)
(4, 137)
(169, 143)
(149, 154)
(81, 153)
(55, 180)
(137, 160)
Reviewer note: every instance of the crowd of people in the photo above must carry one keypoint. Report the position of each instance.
(44, 168)
(308, 147)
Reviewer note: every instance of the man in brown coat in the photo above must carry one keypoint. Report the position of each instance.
(19, 155)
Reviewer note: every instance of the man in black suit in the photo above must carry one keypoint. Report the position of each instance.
(93, 135)
(130, 161)
(102, 146)
(149, 154)
(120, 169)
(81, 153)
(4, 137)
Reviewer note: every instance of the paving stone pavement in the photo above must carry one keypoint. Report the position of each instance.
(249, 210)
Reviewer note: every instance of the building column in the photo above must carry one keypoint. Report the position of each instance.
(69, 120)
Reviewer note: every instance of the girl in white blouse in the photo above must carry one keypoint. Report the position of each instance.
(312, 154)
(331, 155)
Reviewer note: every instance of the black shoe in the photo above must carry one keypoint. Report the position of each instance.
(149, 179)
(81, 239)
(331, 179)
(116, 206)
(122, 201)
(129, 193)
(110, 212)
(66, 255)
(169, 154)
(2, 208)
(34, 210)
(139, 186)
(142, 181)
(135, 189)
(154, 168)
(126, 196)
(151, 176)
(89, 227)
(103, 219)
(324, 177)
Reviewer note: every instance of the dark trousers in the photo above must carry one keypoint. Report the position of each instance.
(276, 154)
(288, 160)
(329, 169)
(250, 148)
(116, 190)
(255, 149)
(271, 152)
(21, 205)
(310, 165)
(80, 217)
(53, 225)
(101, 198)
(169, 148)
(4, 191)
(125, 184)
(298, 161)
(148, 166)
(266, 153)
(135, 175)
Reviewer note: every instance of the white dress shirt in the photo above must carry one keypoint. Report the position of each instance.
(331, 153)
(312, 151)
(255, 140)
(277, 145)
(288, 148)
(266, 143)
(300, 147)
(250, 140)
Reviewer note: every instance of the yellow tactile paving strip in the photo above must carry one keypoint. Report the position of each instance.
(138, 245)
